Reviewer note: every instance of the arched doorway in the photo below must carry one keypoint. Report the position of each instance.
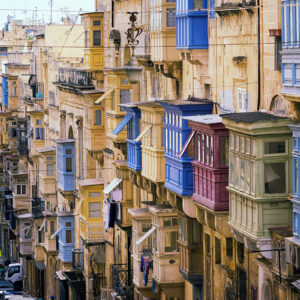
(278, 106)
(71, 134)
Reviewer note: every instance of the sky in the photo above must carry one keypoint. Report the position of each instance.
(25, 9)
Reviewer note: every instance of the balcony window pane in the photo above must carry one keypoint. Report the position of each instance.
(125, 96)
(162, 136)
(23, 189)
(207, 149)
(171, 238)
(171, 20)
(69, 164)
(154, 240)
(224, 151)
(196, 232)
(229, 247)
(68, 236)
(274, 178)
(94, 194)
(231, 171)
(39, 133)
(18, 189)
(28, 231)
(296, 223)
(211, 150)
(96, 23)
(248, 176)
(50, 169)
(296, 176)
(242, 179)
(52, 224)
(202, 148)
(197, 4)
(97, 38)
(94, 209)
(218, 256)
(253, 178)
(274, 147)
(98, 118)
(237, 171)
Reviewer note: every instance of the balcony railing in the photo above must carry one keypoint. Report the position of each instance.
(92, 232)
(77, 259)
(36, 206)
(122, 279)
(74, 77)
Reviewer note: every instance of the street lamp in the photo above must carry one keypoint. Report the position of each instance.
(133, 71)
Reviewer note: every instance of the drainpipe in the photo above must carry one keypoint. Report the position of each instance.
(258, 55)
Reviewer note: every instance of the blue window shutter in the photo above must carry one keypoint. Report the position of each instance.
(122, 124)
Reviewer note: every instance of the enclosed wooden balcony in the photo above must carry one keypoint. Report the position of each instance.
(260, 143)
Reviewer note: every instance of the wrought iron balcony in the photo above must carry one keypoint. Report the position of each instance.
(74, 77)
(77, 259)
(36, 206)
(122, 279)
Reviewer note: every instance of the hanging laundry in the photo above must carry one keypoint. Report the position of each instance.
(116, 195)
(106, 214)
(119, 213)
(142, 264)
(112, 214)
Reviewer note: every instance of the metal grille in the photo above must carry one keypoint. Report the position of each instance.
(122, 279)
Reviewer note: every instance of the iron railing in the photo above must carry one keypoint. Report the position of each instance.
(122, 279)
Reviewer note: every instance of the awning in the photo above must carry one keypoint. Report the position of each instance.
(104, 96)
(79, 205)
(40, 265)
(43, 225)
(146, 235)
(296, 284)
(60, 275)
(112, 185)
(55, 234)
(186, 144)
(143, 133)
(122, 124)
(30, 132)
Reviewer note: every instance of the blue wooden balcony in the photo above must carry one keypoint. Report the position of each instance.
(66, 236)
(296, 181)
(65, 165)
(179, 170)
(191, 25)
(4, 91)
(131, 120)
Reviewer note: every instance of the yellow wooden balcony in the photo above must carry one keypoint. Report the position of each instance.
(94, 58)
(91, 231)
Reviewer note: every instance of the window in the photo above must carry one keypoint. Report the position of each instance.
(171, 20)
(113, 100)
(196, 231)
(242, 100)
(96, 23)
(274, 178)
(38, 122)
(274, 147)
(169, 222)
(39, 133)
(94, 209)
(21, 189)
(50, 169)
(52, 228)
(182, 229)
(125, 96)
(27, 231)
(97, 38)
(197, 4)
(154, 240)
(242, 176)
(277, 56)
(69, 166)
(224, 151)
(171, 238)
(229, 247)
(98, 117)
(231, 170)
(207, 244)
(68, 236)
(94, 194)
(296, 176)
(218, 257)
(68, 151)
(296, 223)
(49, 158)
